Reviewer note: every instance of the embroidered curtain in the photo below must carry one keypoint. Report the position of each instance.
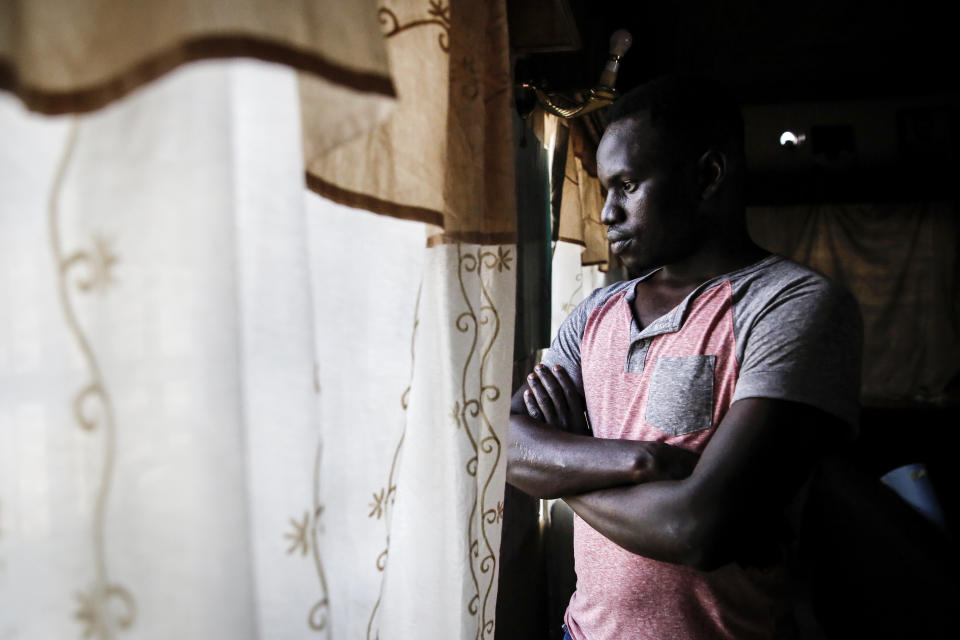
(444, 155)
(220, 420)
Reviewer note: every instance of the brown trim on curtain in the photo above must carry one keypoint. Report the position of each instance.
(571, 240)
(370, 203)
(472, 237)
(54, 102)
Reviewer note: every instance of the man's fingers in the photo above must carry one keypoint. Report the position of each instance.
(576, 404)
(573, 395)
(532, 407)
(554, 390)
(543, 399)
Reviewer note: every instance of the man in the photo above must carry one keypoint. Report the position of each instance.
(712, 383)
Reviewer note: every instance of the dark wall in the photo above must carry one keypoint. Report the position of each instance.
(877, 82)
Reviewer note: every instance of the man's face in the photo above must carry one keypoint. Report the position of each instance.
(652, 201)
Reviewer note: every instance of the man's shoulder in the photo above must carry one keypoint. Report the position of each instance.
(574, 325)
(602, 295)
(798, 337)
(791, 300)
(776, 277)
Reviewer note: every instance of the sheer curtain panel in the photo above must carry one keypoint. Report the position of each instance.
(232, 408)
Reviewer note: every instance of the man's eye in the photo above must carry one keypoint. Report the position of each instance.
(629, 186)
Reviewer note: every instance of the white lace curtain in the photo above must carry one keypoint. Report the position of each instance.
(230, 408)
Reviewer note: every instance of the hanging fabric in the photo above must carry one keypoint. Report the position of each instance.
(581, 205)
(220, 422)
(444, 156)
(70, 56)
(901, 263)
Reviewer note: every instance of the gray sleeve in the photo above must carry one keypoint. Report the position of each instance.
(565, 348)
(804, 345)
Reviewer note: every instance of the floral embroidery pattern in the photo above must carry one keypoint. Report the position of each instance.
(303, 534)
(299, 536)
(95, 614)
(303, 539)
(383, 501)
(379, 505)
(105, 607)
(478, 427)
(438, 15)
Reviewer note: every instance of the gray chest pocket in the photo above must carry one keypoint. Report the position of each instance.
(680, 398)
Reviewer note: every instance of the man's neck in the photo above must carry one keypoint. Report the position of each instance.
(719, 256)
(666, 288)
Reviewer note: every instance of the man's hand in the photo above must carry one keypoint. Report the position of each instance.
(552, 453)
(553, 398)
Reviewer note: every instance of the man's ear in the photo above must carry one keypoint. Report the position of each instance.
(711, 172)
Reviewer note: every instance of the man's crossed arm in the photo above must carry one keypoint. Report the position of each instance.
(661, 501)
(552, 453)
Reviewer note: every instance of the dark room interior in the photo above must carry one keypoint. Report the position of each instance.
(848, 106)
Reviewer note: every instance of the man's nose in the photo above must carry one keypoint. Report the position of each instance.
(611, 213)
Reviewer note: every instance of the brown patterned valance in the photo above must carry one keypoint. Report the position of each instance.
(67, 56)
(442, 153)
(445, 154)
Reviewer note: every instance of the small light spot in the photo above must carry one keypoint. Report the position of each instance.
(788, 137)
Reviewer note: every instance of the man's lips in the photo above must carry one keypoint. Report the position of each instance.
(617, 245)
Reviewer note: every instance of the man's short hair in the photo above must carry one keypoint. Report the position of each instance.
(690, 108)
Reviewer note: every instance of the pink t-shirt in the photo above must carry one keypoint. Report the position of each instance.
(774, 329)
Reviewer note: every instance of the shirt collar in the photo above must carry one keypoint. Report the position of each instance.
(673, 320)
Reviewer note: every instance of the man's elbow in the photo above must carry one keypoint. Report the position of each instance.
(529, 479)
(705, 555)
(516, 475)
(708, 544)
(700, 543)
(523, 474)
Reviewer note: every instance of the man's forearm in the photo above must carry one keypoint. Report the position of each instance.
(653, 520)
(546, 462)
(730, 506)
(667, 521)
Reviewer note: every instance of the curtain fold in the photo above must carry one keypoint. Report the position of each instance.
(580, 208)
(123, 498)
(211, 428)
(366, 326)
(217, 422)
(901, 263)
(74, 56)
(442, 557)
(444, 156)
(66, 55)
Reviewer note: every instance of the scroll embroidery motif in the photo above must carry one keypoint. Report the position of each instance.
(383, 500)
(479, 430)
(438, 15)
(303, 539)
(304, 531)
(105, 607)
